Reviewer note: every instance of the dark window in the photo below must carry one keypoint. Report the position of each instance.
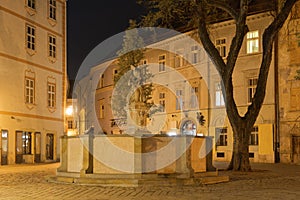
(221, 136)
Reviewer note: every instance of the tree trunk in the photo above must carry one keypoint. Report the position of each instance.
(240, 155)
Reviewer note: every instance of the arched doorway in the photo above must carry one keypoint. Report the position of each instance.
(188, 127)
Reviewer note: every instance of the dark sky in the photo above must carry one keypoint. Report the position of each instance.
(92, 21)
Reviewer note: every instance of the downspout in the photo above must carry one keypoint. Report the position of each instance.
(276, 88)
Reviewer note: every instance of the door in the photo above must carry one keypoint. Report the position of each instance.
(4, 147)
(19, 147)
(49, 146)
(37, 146)
(296, 149)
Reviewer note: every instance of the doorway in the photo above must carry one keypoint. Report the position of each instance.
(295, 149)
(49, 146)
(4, 147)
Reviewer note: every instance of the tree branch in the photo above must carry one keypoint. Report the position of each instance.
(268, 40)
(206, 41)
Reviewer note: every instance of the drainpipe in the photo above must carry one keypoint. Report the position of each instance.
(276, 88)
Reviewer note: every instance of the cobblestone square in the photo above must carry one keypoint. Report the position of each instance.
(267, 181)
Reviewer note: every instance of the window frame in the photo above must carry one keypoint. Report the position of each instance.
(222, 138)
(26, 143)
(162, 63)
(51, 95)
(31, 4)
(195, 58)
(179, 99)
(250, 40)
(29, 90)
(221, 47)
(30, 38)
(254, 139)
(52, 9)
(219, 97)
(251, 88)
(52, 46)
(162, 101)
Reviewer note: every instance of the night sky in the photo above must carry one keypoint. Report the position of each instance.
(92, 21)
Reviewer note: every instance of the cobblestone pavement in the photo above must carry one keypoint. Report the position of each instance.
(267, 181)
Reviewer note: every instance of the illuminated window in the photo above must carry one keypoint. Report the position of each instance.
(252, 83)
(52, 9)
(52, 46)
(31, 4)
(221, 136)
(253, 140)
(26, 139)
(30, 37)
(70, 124)
(179, 100)
(221, 46)
(219, 95)
(162, 63)
(252, 42)
(51, 95)
(29, 90)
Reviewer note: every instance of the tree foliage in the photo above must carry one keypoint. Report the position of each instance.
(132, 76)
(199, 14)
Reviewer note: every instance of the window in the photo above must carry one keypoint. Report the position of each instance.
(30, 37)
(195, 54)
(252, 42)
(219, 95)
(70, 124)
(178, 60)
(101, 111)
(31, 4)
(194, 97)
(252, 83)
(253, 140)
(162, 63)
(51, 95)
(179, 100)
(52, 46)
(221, 46)
(26, 142)
(29, 90)
(144, 62)
(52, 9)
(162, 101)
(221, 136)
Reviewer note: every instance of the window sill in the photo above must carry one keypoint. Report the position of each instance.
(30, 11)
(52, 59)
(30, 52)
(52, 109)
(52, 22)
(30, 106)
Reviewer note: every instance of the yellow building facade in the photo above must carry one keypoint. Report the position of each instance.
(187, 87)
(33, 79)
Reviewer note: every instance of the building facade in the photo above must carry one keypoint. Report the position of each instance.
(187, 87)
(289, 88)
(33, 79)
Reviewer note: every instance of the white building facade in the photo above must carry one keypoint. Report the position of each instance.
(33, 79)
